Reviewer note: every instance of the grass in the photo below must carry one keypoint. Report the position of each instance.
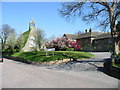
(116, 65)
(58, 55)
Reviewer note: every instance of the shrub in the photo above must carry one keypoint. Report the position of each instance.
(74, 44)
(69, 49)
(118, 56)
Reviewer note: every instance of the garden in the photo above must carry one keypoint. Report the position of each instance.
(64, 48)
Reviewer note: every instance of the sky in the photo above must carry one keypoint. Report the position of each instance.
(45, 14)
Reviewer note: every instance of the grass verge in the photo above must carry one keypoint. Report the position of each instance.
(50, 56)
(116, 65)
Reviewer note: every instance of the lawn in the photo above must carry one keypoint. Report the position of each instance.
(58, 55)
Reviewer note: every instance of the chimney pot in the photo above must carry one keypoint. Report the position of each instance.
(90, 30)
(86, 31)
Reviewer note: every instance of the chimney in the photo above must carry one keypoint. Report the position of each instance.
(85, 30)
(90, 30)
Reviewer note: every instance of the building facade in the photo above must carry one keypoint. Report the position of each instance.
(93, 41)
(103, 42)
(30, 44)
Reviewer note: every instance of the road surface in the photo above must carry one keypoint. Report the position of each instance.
(0, 75)
(20, 75)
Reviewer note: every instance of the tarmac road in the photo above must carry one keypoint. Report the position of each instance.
(0, 75)
(20, 75)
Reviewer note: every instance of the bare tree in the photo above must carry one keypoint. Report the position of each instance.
(106, 14)
(4, 34)
(39, 38)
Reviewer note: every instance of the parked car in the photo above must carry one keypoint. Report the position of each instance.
(1, 58)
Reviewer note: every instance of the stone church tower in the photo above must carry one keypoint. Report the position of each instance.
(30, 44)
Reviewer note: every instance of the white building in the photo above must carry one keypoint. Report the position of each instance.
(30, 44)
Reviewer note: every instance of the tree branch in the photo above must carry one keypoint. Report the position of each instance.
(117, 15)
(104, 4)
(93, 15)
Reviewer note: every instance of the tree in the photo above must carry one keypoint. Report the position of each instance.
(4, 34)
(39, 38)
(11, 42)
(58, 43)
(74, 44)
(118, 34)
(20, 42)
(106, 13)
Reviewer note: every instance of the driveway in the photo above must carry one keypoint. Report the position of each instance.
(93, 64)
(101, 55)
(20, 75)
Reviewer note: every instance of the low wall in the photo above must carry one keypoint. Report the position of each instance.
(111, 70)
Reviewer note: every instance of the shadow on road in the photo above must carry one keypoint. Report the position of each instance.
(101, 68)
(87, 61)
(111, 73)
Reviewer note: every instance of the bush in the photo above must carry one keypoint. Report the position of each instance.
(69, 49)
(118, 56)
(7, 52)
(117, 59)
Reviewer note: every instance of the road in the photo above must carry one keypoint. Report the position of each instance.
(20, 75)
(101, 55)
(0, 75)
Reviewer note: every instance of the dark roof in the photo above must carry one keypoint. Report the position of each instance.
(71, 36)
(104, 35)
(96, 35)
(89, 34)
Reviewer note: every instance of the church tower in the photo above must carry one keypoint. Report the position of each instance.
(32, 28)
(30, 44)
(31, 24)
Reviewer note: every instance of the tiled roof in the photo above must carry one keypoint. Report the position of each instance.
(71, 36)
(104, 35)
(89, 34)
(96, 35)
